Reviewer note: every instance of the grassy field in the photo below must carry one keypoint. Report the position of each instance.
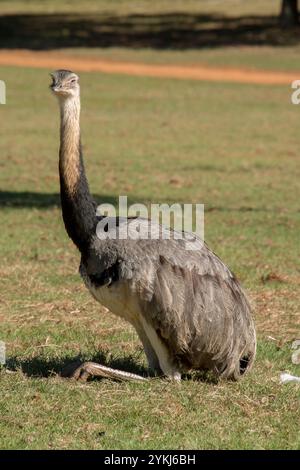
(233, 148)
(157, 31)
(235, 7)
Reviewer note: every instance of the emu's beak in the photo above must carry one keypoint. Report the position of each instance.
(58, 90)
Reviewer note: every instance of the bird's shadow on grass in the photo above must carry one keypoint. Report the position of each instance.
(44, 367)
(41, 367)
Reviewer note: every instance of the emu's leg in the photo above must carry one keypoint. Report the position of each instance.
(92, 369)
(163, 355)
(152, 358)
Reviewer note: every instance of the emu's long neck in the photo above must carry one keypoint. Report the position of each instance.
(78, 208)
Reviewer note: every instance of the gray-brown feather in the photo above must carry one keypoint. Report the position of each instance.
(191, 299)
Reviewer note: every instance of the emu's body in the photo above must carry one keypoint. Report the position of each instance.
(186, 306)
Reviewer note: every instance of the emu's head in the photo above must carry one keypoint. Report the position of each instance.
(65, 84)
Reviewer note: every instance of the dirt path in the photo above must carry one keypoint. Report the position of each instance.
(52, 60)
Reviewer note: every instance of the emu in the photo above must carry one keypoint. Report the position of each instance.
(186, 306)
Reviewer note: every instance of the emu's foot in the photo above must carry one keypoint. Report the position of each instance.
(91, 369)
(70, 368)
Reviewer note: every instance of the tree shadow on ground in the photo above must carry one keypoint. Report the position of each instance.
(176, 30)
(30, 199)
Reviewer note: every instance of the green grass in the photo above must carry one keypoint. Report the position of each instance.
(232, 147)
(267, 58)
(235, 7)
(52, 413)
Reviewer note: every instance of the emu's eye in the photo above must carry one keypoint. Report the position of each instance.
(73, 80)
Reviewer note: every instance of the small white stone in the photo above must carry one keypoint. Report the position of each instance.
(296, 344)
(286, 378)
(296, 357)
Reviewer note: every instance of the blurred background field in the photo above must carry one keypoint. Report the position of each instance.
(214, 32)
(231, 146)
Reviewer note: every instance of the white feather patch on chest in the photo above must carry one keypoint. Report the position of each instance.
(119, 299)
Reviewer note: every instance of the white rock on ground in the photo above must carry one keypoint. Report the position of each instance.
(286, 378)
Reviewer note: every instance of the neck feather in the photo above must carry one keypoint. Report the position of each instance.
(69, 162)
(78, 208)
